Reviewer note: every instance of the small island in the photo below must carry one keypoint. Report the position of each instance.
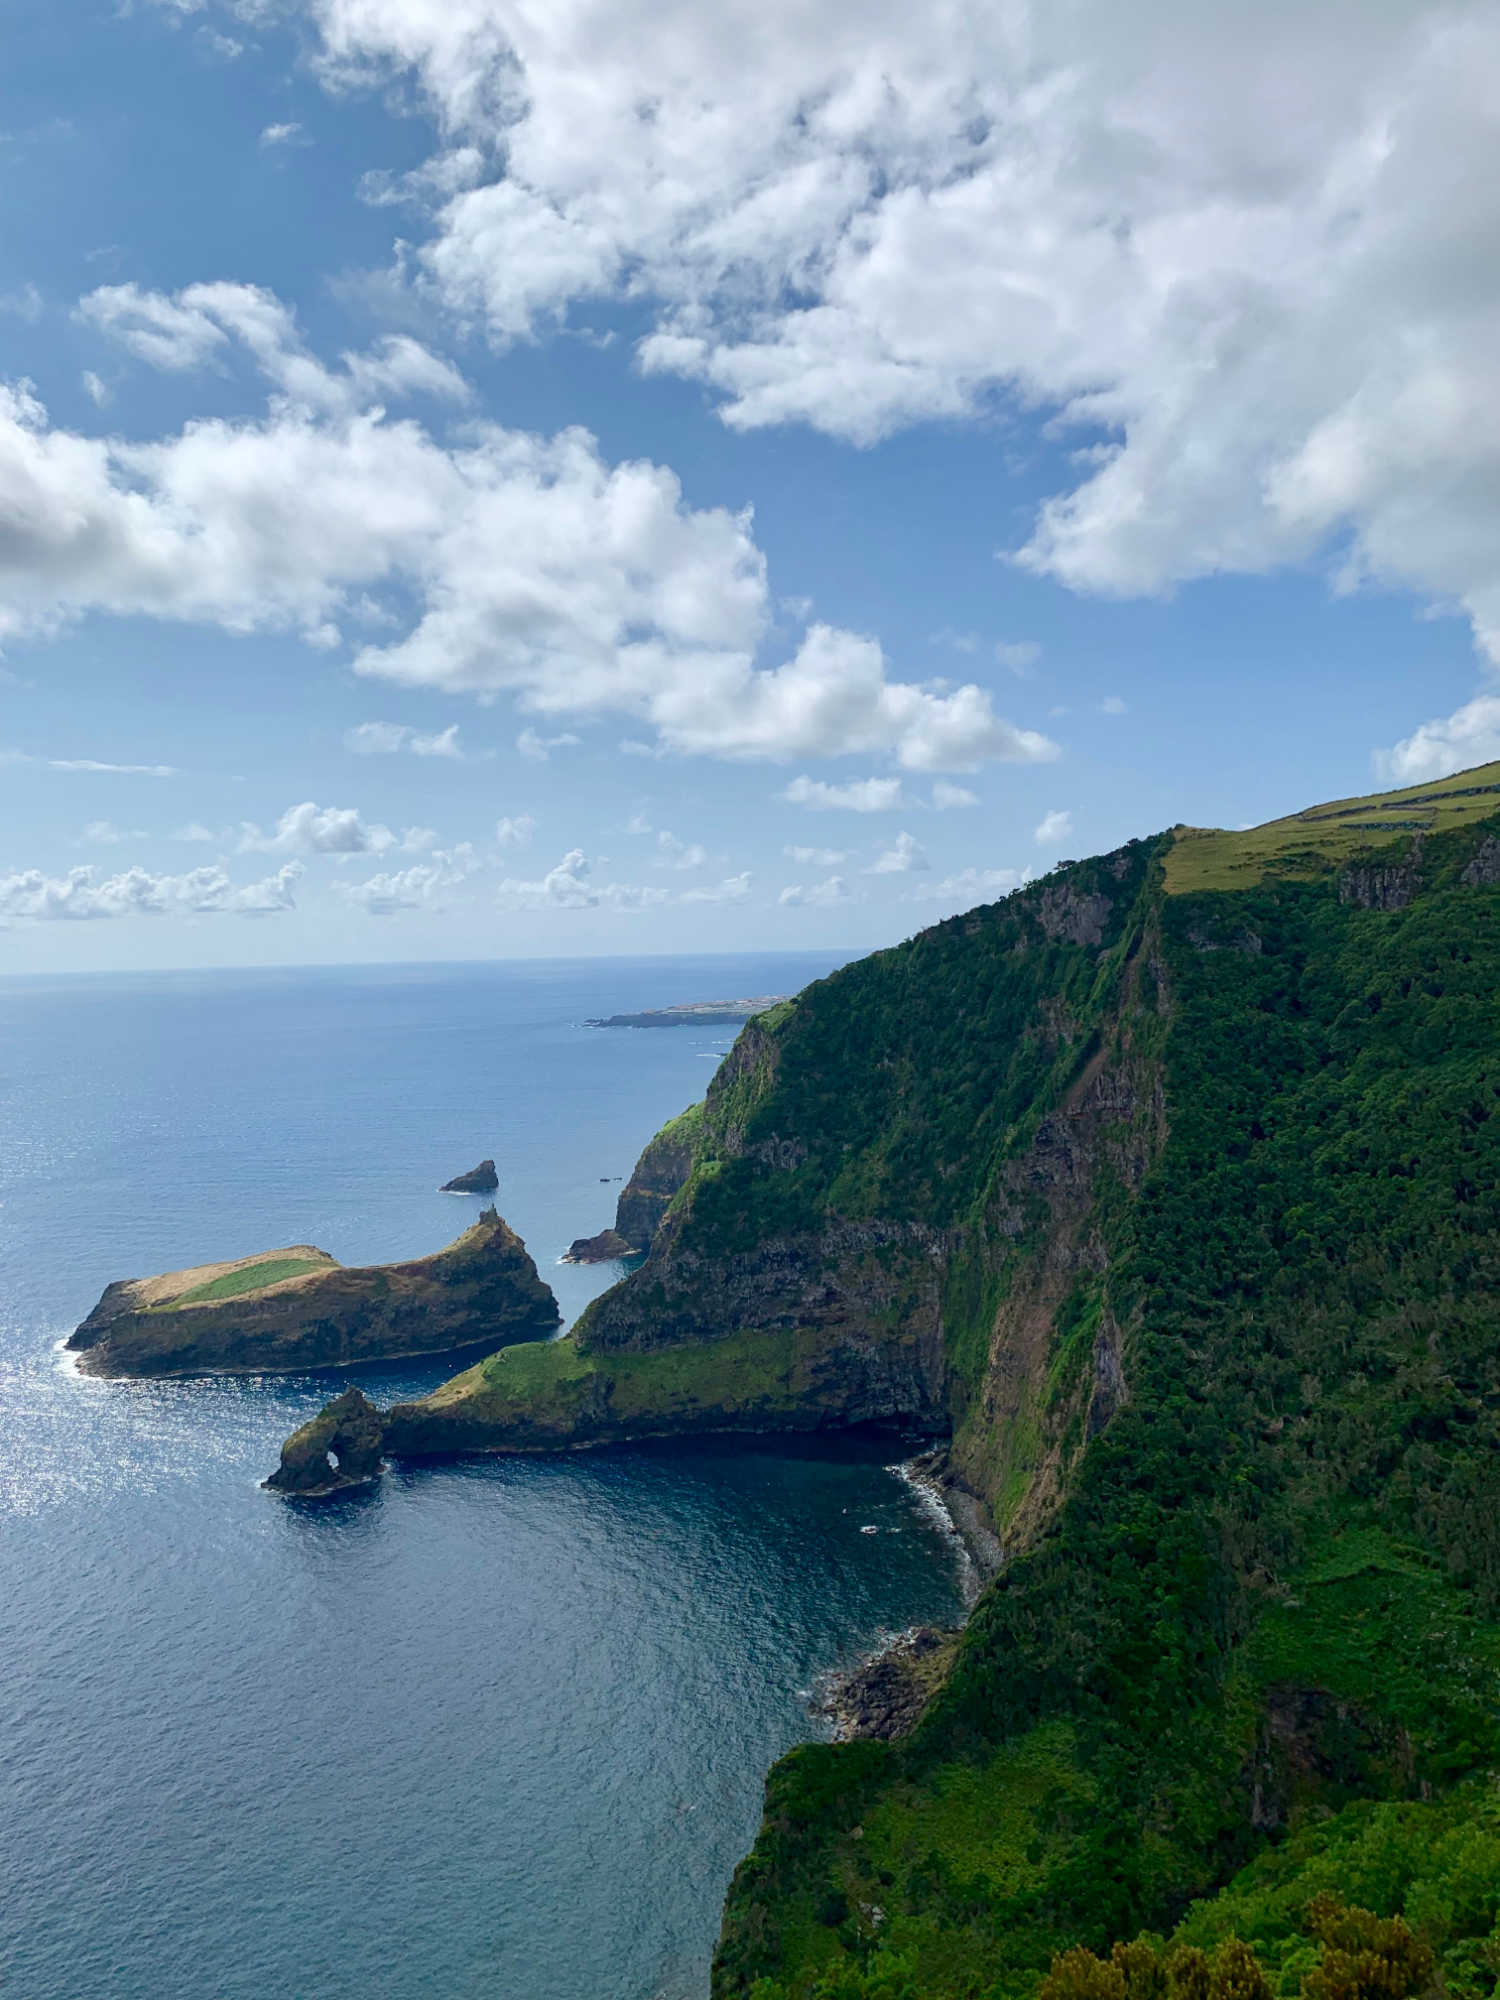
(695, 1014)
(478, 1180)
(283, 1311)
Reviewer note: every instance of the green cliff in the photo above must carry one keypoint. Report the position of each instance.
(296, 1309)
(1169, 1188)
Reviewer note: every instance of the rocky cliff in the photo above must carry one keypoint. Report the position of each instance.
(298, 1309)
(1167, 1189)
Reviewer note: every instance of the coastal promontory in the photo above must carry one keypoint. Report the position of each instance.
(286, 1310)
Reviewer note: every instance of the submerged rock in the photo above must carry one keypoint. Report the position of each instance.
(600, 1249)
(478, 1180)
(296, 1309)
(340, 1447)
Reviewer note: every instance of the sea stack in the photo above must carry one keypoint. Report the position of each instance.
(600, 1249)
(339, 1448)
(478, 1180)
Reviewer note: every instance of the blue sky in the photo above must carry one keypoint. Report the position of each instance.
(482, 479)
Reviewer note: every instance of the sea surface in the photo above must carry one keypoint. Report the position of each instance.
(492, 1730)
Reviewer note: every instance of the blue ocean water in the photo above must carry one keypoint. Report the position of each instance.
(494, 1730)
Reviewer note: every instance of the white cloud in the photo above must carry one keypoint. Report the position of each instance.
(1112, 705)
(569, 886)
(1246, 250)
(733, 889)
(94, 765)
(969, 886)
(1054, 828)
(515, 832)
(95, 388)
(946, 797)
(680, 854)
(424, 886)
(104, 833)
(539, 748)
(818, 896)
(384, 739)
(1020, 655)
(864, 795)
(900, 859)
(538, 570)
(25, 304)
(82, 895)
(315, 829)
(283, 135)
(816, 857)
(197, 833)
(1471, 735)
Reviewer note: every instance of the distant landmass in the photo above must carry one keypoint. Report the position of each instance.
(694, 1013)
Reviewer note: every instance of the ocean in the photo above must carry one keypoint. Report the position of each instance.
(495, 1729)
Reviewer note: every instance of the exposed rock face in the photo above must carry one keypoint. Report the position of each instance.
(884, 1697)
(1389, 886)
(659, 1173)
(604, 1248)
(1483, 872)
(339, 1448)
(478, 1180)
(482, 1292)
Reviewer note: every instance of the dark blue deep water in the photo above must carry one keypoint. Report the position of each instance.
(496, 1728)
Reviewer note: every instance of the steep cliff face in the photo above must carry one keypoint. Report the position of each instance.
(1170, 1189)
(658, 1176)
(298, 1309)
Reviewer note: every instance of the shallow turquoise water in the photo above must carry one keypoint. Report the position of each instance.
(496, 1728)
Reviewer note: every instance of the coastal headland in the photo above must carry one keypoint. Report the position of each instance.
(297, 1308)
(1167, 1191)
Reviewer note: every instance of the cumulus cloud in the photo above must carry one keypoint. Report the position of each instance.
(902, 858)
(818, 895)
(384, 739)
(1246, 251)
(83, 895)
(681, 854)
(201, 325)
(425, 885)
(946, 797)
(515, 831)
(1053, 828)
(1471, 735)
(315, 829)
(733, 889)
(570, 885)
(863, 795)
(537, 569)
(816, 857)
(282, 135)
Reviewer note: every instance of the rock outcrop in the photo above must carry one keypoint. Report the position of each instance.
(604, 1248)
(478, 1180)
(339, 1448)
(482, 1292)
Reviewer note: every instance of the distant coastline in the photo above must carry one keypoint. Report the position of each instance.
(694, 1013)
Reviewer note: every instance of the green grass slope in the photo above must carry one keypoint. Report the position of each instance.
(1263, 1601)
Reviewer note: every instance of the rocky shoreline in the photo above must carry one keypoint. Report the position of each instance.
(884, 1694)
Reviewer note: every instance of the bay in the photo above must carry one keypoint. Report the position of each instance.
(494, 1728)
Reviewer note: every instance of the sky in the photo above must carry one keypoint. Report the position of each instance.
(485, 478)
